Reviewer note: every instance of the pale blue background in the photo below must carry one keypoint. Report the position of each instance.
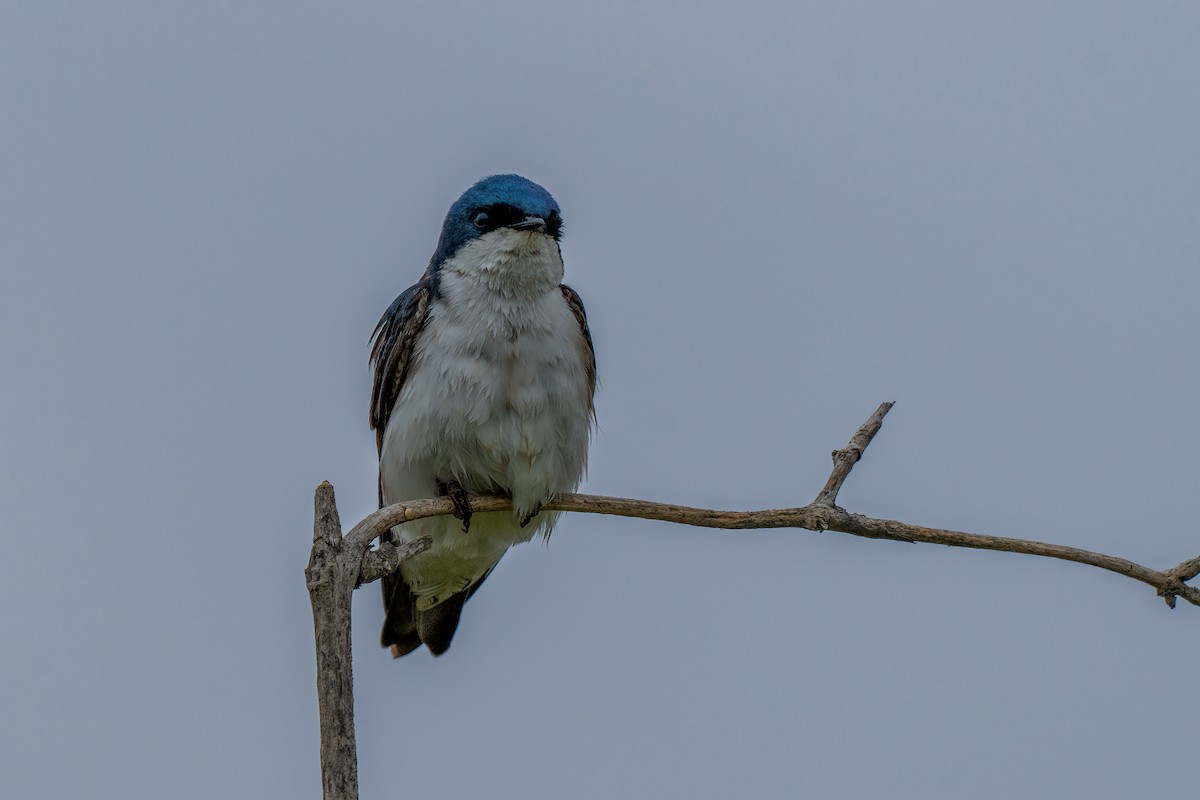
(779, 216)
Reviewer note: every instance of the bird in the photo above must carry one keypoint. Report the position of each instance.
(484, 379)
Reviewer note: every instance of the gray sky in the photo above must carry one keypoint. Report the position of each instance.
(778, 216)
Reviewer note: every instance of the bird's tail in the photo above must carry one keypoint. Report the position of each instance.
(405, 628)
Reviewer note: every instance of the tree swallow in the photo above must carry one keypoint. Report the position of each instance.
(484, 379)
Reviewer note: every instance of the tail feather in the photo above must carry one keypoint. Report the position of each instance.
(437, 625)
(399, 624)
(405, 628)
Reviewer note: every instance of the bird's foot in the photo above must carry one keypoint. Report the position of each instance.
(525, 520)
(458, 496)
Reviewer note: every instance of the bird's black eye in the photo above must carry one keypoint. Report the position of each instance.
(480, 219)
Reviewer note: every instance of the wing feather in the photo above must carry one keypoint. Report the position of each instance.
(392, 346)
(575, 302)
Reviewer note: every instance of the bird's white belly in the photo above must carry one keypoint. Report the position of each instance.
(498, 398)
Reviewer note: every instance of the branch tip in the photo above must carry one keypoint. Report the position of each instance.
(327, 526)
(1186, 570)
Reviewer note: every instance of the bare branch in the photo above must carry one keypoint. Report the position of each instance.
(338, 564)
(813, 517)
(820, 515)
(329, 589)
(334, 567)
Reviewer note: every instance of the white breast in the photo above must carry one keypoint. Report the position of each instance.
(497, 398)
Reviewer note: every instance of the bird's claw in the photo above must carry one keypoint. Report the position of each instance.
(461, 500)
(525, 520)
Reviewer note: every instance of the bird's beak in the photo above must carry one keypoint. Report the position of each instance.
(530, 224)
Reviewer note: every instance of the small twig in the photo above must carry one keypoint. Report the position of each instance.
(387, 558)
(844, 460)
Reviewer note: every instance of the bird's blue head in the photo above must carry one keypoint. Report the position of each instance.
(499, 201)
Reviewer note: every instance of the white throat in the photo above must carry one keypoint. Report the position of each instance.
(510, 262)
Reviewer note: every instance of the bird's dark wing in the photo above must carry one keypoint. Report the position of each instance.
(576, 305)
(392, 346)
